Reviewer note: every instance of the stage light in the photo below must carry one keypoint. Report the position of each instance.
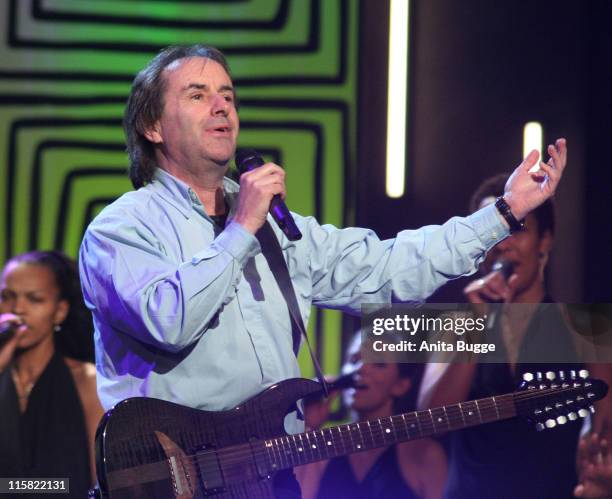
(532, 138)
(397, 98)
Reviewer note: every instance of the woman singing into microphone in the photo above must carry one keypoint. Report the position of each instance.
(49, 409)
(509, 459)
(410, 470)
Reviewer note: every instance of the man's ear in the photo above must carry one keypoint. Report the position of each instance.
(153, 134)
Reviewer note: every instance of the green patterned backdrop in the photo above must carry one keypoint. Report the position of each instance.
(65, 71)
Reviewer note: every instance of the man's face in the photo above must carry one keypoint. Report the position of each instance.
(199, 123)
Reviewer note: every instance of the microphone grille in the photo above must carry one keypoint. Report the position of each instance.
(505, 267)
(243, 156)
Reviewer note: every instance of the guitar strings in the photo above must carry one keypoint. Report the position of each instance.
(425, 428)
(492, 407)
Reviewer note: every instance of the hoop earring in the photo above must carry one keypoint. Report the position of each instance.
(57, 328)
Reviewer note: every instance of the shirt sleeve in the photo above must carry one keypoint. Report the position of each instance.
(132, 285)
(351, 267)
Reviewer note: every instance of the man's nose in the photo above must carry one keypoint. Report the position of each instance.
(219, 105)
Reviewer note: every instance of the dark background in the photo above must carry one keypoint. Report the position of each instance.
(479, 71)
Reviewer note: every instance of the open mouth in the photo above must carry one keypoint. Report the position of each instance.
(220, 130)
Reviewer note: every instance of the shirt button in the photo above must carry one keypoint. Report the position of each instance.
(194, 197)
(494, 235)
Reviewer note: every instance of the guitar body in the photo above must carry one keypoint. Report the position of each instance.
(146, 448)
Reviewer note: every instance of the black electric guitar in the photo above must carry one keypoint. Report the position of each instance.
(149, 448)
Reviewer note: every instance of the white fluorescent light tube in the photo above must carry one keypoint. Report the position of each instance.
(532, 138)
(397, 98)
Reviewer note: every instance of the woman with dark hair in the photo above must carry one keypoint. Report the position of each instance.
(48, 403)
(510, 459)
(409, 470)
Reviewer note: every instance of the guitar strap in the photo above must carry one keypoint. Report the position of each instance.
(273, 254)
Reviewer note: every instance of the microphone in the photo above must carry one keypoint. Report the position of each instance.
(249, 159)
(343, 382)
(7, 331)
(505, 267)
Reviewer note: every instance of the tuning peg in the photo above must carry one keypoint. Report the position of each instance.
(590, 395)
(548, 408)
(550, 376)
(562, 375)
(550, 423)
(572, 416)
(537, 412)
(561, 419)
(583, 373)
(592, 409)
(583, 413)
(572, 374)
(579, 398)
(558, 405)
(539, 376)
(528, 377)
(540, 427)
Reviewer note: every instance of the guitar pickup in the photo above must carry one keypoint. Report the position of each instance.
(209, 471)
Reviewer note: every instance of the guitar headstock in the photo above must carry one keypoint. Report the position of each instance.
(550, 399)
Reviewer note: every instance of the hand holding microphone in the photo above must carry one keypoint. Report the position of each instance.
(495, 287)
(9, 337)
(262, 190)
(317, 406)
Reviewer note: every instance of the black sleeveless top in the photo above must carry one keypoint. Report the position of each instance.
(49, 440)
(384, 480)
(510, 459)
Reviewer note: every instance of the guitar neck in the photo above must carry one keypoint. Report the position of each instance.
(294, 450)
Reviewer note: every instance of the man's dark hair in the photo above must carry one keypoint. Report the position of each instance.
(146, 103)
(494, 187)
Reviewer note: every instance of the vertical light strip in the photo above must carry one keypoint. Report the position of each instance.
(397, 98)
(532, 138)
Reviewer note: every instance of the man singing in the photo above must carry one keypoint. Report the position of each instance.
(185, 305)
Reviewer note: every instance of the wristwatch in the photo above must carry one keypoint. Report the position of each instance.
(504, 211)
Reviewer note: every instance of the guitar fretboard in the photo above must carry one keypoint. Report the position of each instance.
(294, 450)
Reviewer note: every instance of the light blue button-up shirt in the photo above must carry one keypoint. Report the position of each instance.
(199, 320)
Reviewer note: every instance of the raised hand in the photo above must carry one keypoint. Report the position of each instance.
(525, 191)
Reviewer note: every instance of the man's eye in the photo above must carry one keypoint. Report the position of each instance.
(229, 98)
(196, 97)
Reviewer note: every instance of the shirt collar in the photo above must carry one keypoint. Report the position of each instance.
(182, 197)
